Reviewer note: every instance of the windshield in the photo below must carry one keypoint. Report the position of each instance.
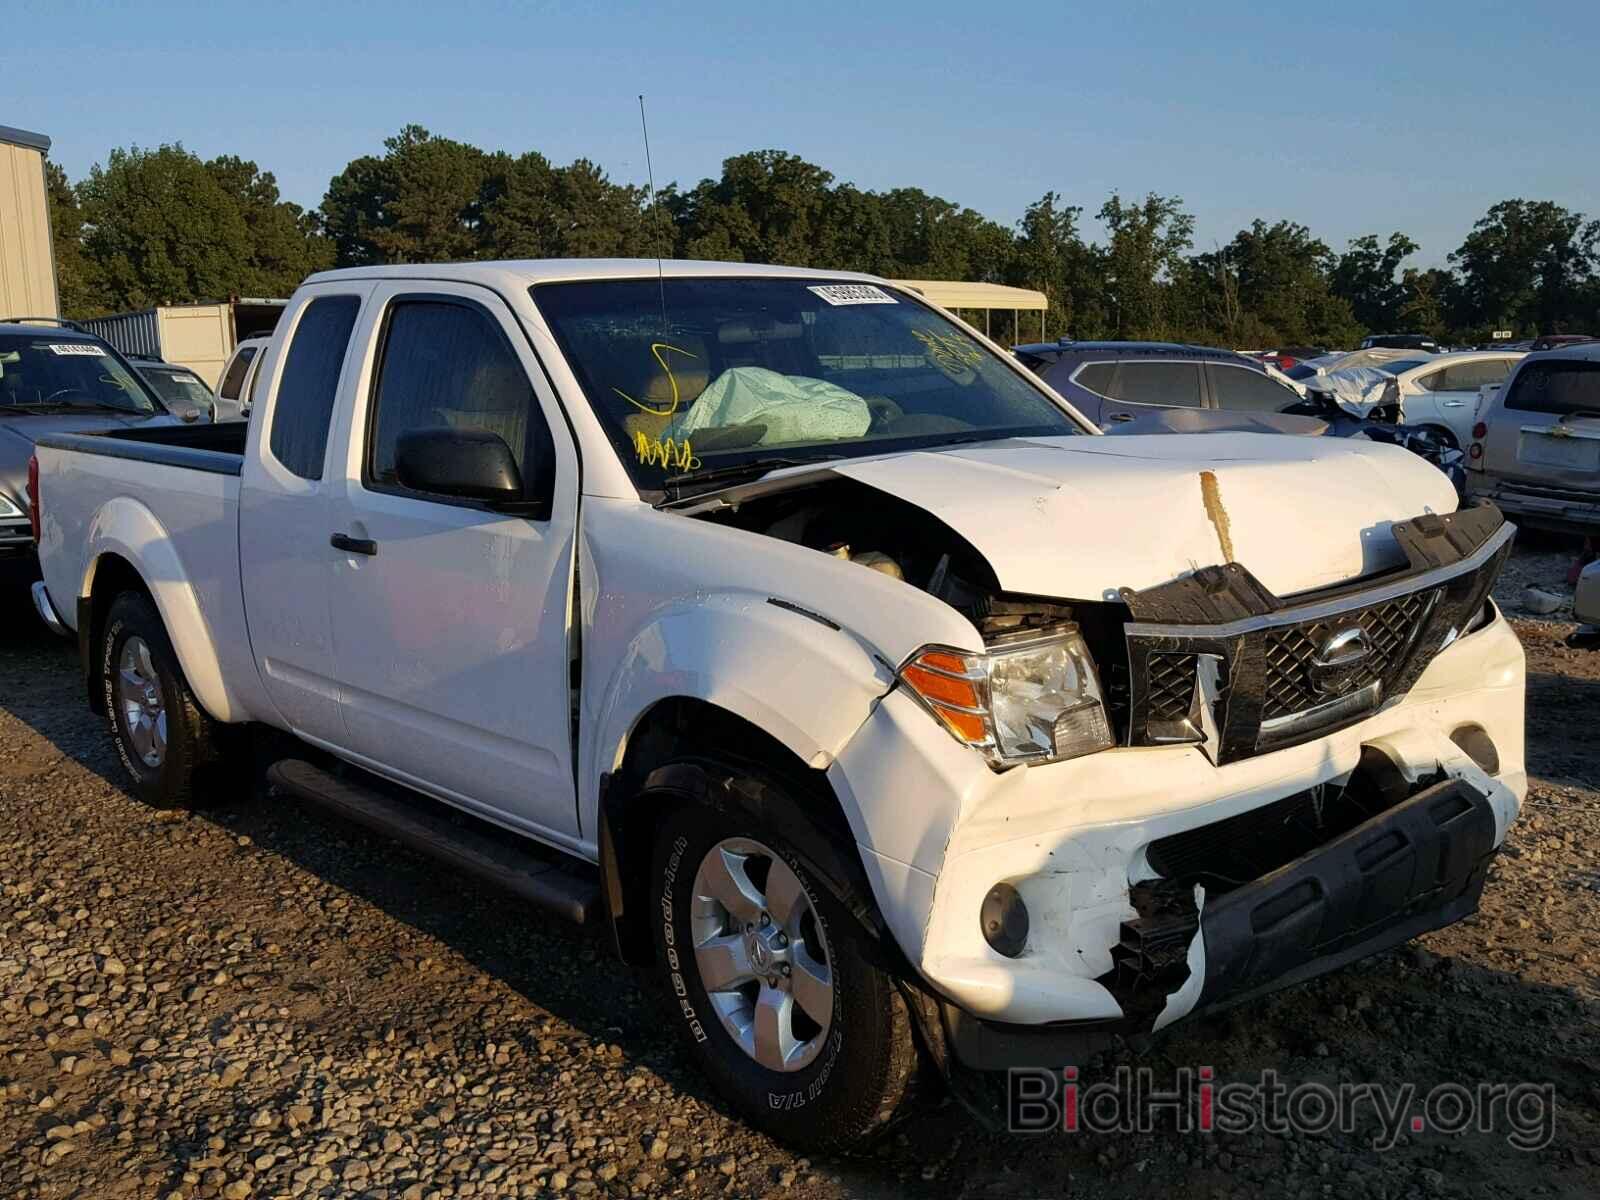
(179, 389)
(44, 369)
(751, 370)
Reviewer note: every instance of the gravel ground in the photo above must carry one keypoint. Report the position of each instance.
(259, 1001)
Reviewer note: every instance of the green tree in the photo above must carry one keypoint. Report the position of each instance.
(767, 206)
(1049, 256)
(1140, 263)
(531, 209)
(78, 283)
(285, 242)
(161, 226)
(1528, 265)
(421, 201)
(1425, 295)
(1283, 285)
(1367, 277)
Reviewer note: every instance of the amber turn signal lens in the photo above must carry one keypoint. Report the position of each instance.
(942, 689)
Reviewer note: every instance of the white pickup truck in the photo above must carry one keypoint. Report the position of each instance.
(788, 626)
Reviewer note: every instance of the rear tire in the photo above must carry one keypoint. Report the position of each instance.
(166, 742)
(826, 1056)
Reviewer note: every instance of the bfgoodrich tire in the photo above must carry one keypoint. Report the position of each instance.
(767, 984)
(164, 739)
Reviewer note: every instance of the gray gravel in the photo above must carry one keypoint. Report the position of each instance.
(259, 1001)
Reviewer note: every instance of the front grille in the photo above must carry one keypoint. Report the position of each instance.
(1390, 627)
(1291, 671)
(1171, 686)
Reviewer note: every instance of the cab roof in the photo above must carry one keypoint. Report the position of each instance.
(523, 272)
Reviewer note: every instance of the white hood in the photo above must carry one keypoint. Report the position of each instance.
(1079, 517)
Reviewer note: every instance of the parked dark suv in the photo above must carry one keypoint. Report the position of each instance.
(1112, 382)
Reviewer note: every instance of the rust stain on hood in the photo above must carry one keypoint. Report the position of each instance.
(1211, 494)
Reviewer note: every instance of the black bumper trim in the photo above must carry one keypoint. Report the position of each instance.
(1415, 867)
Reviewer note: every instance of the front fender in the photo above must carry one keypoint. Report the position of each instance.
(128, 529)
(806, 682)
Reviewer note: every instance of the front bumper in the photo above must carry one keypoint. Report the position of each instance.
(1075, 839)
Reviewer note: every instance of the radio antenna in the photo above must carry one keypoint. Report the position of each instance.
(650, 174)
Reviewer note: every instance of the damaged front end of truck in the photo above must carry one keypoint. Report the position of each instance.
(1297, 782)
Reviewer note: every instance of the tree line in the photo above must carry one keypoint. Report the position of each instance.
(164, 226)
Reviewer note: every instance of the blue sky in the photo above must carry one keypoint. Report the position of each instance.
(1411, 116)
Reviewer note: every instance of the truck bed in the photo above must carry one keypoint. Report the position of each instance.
(164, 500)
(218, 448)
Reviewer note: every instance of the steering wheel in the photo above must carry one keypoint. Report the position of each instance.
(67, 391)
(885, 412)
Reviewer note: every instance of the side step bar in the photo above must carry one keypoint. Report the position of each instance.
(551, 884)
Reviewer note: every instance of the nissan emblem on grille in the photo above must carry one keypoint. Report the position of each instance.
(1339, 661)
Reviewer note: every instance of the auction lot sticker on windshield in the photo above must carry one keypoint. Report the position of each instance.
(85, 348)
(838, 294)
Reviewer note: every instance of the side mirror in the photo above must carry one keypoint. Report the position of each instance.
(471, 463)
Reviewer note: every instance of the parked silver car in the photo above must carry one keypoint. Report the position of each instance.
(1536, 445)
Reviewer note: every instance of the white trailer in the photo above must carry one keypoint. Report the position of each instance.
(198, 336)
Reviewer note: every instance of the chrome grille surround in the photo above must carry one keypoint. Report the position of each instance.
(1253, 683)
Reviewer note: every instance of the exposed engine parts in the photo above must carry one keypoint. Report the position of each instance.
(875, 530)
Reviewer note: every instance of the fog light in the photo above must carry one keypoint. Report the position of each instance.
(1004, 918)
(1479, 747)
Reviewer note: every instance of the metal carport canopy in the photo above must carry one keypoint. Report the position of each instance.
(954, 294)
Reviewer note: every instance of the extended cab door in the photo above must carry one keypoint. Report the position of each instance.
(285, 565)
(450, 617)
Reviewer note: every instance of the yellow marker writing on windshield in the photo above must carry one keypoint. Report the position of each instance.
(655, 350)
(669, 454)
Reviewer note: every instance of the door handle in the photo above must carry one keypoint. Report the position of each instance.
(1452, 404)
(1119, 417)
(350, 545)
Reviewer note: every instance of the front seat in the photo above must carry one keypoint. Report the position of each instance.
(648, 400)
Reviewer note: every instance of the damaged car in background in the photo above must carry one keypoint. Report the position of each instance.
(875, 702)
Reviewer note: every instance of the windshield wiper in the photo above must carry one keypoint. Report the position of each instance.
(674, 485)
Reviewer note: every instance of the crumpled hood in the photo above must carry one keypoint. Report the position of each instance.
(1080, 517)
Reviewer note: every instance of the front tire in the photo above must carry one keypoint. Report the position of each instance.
(162, 736)
(765, 974)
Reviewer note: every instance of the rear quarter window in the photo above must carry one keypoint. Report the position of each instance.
(309, 383)
(1563, 386)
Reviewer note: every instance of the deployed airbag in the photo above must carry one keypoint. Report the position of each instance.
(792, 407)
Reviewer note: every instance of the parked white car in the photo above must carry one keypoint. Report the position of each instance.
(798, 632)
(236, 389)
(1442, 394)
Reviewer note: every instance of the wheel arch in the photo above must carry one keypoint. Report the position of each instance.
(150, 566)
(679, 753)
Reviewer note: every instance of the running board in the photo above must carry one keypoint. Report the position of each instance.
(550, 883)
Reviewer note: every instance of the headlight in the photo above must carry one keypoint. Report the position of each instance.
(1030, 698)
(10, 510)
